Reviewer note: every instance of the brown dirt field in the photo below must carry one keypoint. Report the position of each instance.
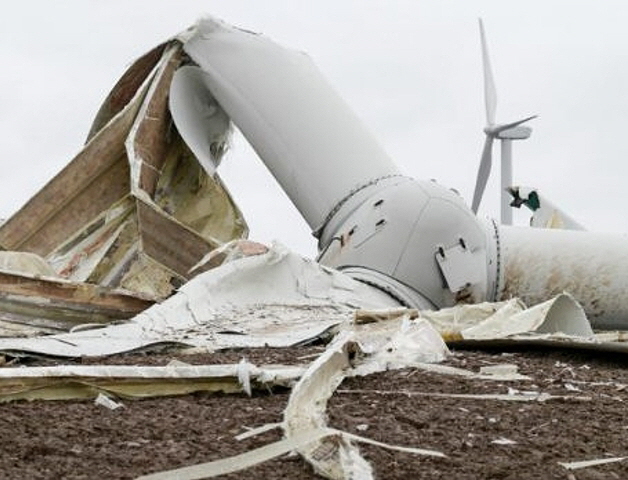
(80, 440)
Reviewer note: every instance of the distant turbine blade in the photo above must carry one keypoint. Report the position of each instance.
(483, 173)
(490, 92)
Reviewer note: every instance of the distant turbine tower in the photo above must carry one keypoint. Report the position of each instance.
(504, 132)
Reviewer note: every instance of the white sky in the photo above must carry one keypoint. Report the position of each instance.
(411, 69)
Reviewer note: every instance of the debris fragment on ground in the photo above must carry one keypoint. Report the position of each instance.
(77, 439)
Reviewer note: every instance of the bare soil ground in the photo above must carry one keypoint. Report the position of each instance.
(482, 438)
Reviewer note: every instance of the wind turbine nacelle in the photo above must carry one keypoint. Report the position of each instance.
(414, 239)
(520, 132)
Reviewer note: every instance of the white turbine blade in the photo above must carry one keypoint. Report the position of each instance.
(287, 110)
(483, 173)
(490, 92)
(201, 122)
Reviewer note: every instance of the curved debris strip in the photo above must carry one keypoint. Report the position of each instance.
(510, 319)
(331, 452)
(332, 457)
(337, 457)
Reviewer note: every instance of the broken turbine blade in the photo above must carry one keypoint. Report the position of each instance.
(200, 120)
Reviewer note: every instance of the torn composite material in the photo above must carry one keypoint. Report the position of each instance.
(509, 318)
(35, 305)
(134, 209)
(65, 382)
(332, 452)
(272, 299)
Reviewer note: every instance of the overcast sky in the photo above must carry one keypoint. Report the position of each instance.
(411, 69)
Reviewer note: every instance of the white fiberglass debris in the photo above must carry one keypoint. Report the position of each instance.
(452, 321)
(175, 371)
(503, 441)
(81, 381)
(396, 343)
(491, 375)
(531, 393)
(274, 450)
(353, 465)
(278, 298)
(177, 363)
(500, 369)
(591, 463)
(306, 409)
(252, 432)
(105, 401)
(512, 396)
(562, 314)
(26, 263)
(331, 452)
(229, 252)
(239, 462)
(388, 446)
(243, 370)
(274, 299)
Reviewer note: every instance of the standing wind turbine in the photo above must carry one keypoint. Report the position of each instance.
(505, 132)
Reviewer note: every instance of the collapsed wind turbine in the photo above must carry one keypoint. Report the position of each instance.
(505, 132)
(416, 240)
